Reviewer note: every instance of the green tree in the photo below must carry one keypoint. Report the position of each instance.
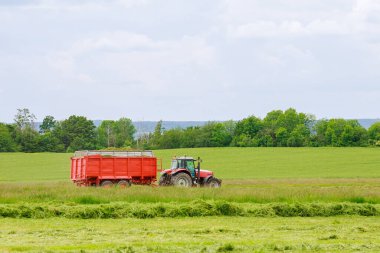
(281, 126)
(124, 131)
(339, 132)
(118, 133)
(7, 143)
(24, 118)
(29, 140)
(249, 126)
(215, 134)
(171, 138)
(156, 138)
(48, 124)
(246, 132)
(374, 134)
(24, 133)
(76, 133)
(106, 134)
(282, 137)
(192, 137)
(299, 137)
(48, 142)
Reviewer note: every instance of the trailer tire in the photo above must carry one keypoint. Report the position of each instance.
(213, 183)
(124, 184)
(106, 184)
(182, 180)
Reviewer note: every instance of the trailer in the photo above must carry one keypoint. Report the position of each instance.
(110, 168)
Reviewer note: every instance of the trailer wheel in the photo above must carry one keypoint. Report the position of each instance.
(124, 183)
(106, 184)
(213, 183)
(182, 180)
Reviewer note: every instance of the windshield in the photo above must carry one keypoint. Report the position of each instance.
(174, 165)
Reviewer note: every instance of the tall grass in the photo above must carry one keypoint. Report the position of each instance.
(251, 191)
(190, 209)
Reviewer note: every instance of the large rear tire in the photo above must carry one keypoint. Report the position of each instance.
(182, 180)
(106, 184)
(213, 183)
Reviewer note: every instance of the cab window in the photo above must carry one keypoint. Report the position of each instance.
(174, 164)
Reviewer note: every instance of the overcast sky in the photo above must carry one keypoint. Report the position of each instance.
(189, 60)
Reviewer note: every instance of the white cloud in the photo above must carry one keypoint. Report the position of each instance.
(357, 19)
(78, 6)
(132, 58)
(288, 28)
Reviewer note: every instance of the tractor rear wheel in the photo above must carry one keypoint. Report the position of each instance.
(182, 180)
(124, 183)
(106, 184)
(213, 183)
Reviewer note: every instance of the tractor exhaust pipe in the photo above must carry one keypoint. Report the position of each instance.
(199, 171)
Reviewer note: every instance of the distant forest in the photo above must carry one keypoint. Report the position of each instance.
(278, 128)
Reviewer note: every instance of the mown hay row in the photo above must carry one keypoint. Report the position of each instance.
(192, 209)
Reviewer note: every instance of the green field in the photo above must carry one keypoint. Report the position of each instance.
(228, 163)
(272, 199)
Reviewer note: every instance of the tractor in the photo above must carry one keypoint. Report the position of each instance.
(183, 173)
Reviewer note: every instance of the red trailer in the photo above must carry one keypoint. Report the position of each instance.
(108, 168)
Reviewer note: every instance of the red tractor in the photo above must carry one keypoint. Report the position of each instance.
(183, 173)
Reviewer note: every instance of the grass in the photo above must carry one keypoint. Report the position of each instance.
(227, 163)
(200, 234)
(272, 175)
(258, 208)
(253, 191)
(195, 208)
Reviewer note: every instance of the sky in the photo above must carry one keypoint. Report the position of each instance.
(189, 60)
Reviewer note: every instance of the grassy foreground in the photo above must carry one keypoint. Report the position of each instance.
(267, 194)
(211, 234)
(227, 163)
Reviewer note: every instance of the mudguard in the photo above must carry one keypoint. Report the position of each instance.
(209, 177)
(181, 171)
(206, 179)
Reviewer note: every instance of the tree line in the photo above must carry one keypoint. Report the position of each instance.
(69, 135)
(278, 128)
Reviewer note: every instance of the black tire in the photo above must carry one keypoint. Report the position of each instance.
(106, 184)
(124, 183)
(182, 180)
(163, 180)
(214, 183)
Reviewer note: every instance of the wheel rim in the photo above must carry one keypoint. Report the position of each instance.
(182, 182)
(214, 184)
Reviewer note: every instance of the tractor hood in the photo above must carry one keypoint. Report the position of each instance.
(206, 172)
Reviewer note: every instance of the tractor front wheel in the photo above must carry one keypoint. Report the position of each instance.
(182, 180)
(213, 183)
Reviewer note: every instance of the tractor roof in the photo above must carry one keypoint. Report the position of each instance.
(185, 158)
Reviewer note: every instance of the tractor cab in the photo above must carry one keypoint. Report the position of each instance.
(186, 173)
(186, 163)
